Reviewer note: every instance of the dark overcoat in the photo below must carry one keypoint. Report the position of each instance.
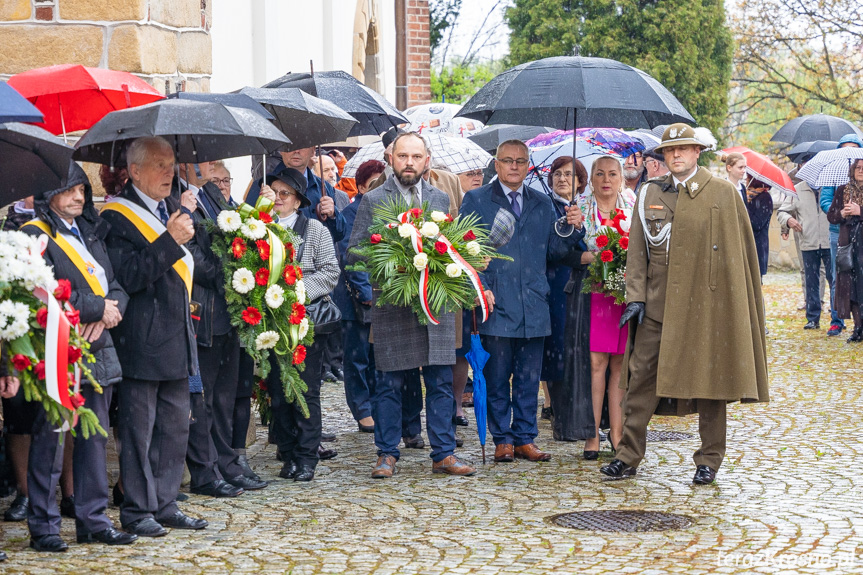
(849, 285)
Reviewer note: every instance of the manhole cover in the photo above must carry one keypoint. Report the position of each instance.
(628, 521)
(668, 436)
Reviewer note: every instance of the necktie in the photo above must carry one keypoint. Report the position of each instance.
(681, 188)
(76, 233)
(415, 199)
(515, 205)
(163, 213)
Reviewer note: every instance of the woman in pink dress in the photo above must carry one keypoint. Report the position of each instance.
(599, 203)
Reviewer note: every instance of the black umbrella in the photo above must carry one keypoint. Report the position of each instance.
(305, 119)
(31, 160)
(804, 151)
(16, 108)
(233, 100)
(492, 136)
(814, 127)
(568, 92)
(198, 131)
(373, 112)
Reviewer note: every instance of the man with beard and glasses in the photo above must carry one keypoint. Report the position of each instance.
(633, 171)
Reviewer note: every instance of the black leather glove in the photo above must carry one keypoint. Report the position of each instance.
(633, 310)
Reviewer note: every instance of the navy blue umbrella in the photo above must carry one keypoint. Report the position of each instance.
(16, 108)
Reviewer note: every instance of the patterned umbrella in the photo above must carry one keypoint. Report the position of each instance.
(373, 151)
(829, 168)
(455, 154)
(439, 118)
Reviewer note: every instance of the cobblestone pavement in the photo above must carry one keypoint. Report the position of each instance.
(788, 494)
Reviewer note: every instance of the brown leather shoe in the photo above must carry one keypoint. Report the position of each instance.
(531, 452)
(503, 453)
(452, 466)
(385, 467)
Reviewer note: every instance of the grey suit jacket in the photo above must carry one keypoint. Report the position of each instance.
(400, 341)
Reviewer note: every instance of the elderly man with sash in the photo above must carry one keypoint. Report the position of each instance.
(76, 251)
(151, 245)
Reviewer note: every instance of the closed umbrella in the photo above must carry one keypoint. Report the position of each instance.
(493, 136)
(31, 160)
(829, 168)
(804, 151)
(814, 127)
(762, 168)
(15, 108)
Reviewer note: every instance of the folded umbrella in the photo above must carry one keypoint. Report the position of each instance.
(804, 151)
(829, 168)
(31, 160)
(16, 108)
(762, 168)
(814, 127)
(477, 357)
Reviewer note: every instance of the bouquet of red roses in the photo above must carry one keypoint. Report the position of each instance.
(607, 273)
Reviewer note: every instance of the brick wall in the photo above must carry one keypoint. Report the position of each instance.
(418, 52)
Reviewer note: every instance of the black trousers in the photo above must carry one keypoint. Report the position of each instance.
(89, 471)
(210, 455)
(334, 353)
(153, 419)
(297, 436)
(243, 403)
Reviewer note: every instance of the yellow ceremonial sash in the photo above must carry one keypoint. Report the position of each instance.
(183, 269)
(72, 254)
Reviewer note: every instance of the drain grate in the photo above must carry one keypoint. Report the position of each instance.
(626, 521)
(668, 435)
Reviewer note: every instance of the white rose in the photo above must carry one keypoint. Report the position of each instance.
(473, 248)
(253, 229)
(243, 281)
(275, 296)
(453, 270)
(429, 229)
(438, 216)
(304, 327)
(421, 261)
(266, 340)
(300, 291)
(406, 230)
(13, 319)
(229, 221)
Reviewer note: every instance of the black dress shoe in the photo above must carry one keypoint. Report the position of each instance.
(414, 442)
(109, 536)
(812, 325)
(856, 335)
(546, 413)
(247, 483)
(618, 470)
(181, 497)
(305, 472)
(147, 527)
(51, 543)
(218, 488)
(459, 441)
(324, 453)
(460, 420)
(329, 376)
(243, 462)
(365, 428)
(289, 469)
(339, 373)
(591, 455)
(180, 520)
(328, 437)
(17, 510)
(118, 495)
(704, 475)
(67, 506)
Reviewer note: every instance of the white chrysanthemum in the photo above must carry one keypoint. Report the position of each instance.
(421, 261)
(275, 296)
(301, 291)
(473, 248)
(304, 327)
(267, 340)
(437, 216)
(453, 270)
(229, 221)
(430, 229)
(406, 230)
(243, 281)
(13, 319)
(253, 229)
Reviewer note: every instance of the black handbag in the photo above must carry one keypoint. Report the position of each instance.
(322, 311)
(845, 254)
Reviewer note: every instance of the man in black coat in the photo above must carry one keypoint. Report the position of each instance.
(154, 256)
(76, 251)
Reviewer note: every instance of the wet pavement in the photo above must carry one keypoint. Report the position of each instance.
(788, 498)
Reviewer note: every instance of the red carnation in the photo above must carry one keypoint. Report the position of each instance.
(440, 247)
(73, 316)
(299, 272)
(299, 355)
(238, 248)
(74, 354)
(290, 275)
(42, 317)
(265, 217)
(623, 243)
(262, 385)
(263, 249)
(289, 249)
(298, 312)
(252, 316)
(448, 218)
(601, 241)
(606, 256)
(375, 239)
(21, 361)
(39, 369)
(77, 400)
(64, 290)
(469, 236)
(262, 276)
(416, 212)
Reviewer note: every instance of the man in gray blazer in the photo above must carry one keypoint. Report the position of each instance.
(402, 345)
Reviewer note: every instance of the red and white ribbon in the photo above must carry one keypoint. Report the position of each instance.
(471, 274)
(57, 351)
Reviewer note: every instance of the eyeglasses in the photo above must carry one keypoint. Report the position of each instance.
(560, 174)
(473, 174)
(520, 162)
(285, 195)
(222, 181)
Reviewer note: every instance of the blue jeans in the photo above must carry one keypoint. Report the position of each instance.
(359, 367)
(834, 247)
(387, 410)
(812, 262)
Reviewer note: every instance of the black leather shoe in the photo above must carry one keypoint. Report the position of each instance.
(856, 335)
(289, 469)
(180, 520)
(365, 428)
(17, 510)
(812, 325)
(243, 462)
(329, 377)
(117, 495)
(181, 497)
(304, 473)
(414, 442)
(67, 506)
(591, 455)
(324, 453)
(51, 543)
(460, 420)
(218, 488)
(147, 527)
(328, 437)
(459, 441)
(109, 536)
(246, 483)
(546, 413)
(618, 470)
(704, 475)
(340, 374)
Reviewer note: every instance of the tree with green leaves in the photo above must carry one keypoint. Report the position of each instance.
(684, 44)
